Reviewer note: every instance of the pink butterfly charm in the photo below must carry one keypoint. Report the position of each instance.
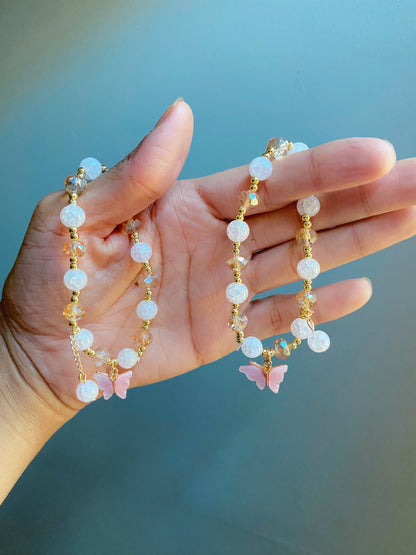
(271, 379)
(119, 386)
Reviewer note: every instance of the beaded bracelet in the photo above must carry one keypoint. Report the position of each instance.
(108, 379)
(266, 375)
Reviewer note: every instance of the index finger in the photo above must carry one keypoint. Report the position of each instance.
(329, 167)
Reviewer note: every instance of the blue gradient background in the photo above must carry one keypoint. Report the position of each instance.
(204, 463)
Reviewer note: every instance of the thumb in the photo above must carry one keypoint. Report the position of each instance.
(145, 174)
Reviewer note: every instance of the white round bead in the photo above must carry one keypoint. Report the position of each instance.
(141, 252)
(92, 168)
(308, 268)
(236, 293)
(87, 391)
(127, 358)
(298, 147)
(75, 280)
(238, 231)
(146, 310)
(252, 347)
(309, 205)
(319, 341)
(300, 328)
(84, 339)
(260, 167)
(72, 215)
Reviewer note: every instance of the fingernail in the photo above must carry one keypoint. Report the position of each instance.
(370, 283)
(169, 110)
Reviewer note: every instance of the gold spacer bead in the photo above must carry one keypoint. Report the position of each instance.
(240, 217)
(236, 251)
(236, 306)
(148, 295)
(308, 255)
(298, 340)
(81, 172)
(104, 168)
(90, 352)
(289, 145)
(147, 267)
(307, 282)
(255, 180)
(146, 324)
(239, 337)
(237, 273)
(307, 288)
(306, 217)
(234, 311)
(238, 280)
(73, 266)
(72, 198)
(293, 345)
(307, 225)
(254, 188)
(236, 245)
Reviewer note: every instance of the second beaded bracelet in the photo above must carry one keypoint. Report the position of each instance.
(267, 375)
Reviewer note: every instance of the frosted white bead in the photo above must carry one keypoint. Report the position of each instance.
(308, 268)
(141, 252)
(72, 215)
(236, 293)
(252, 347)
(298, 147)
(309, 205)
(75, 280)
(87, 391)
(146, 310)
(260, 167)
(92, 168)
(319, 341)
(84, 339)
(238, 231)
(300, 328)
(127, 358)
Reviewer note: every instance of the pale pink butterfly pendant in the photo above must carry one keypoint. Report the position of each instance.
(118, 386)
(272, 379)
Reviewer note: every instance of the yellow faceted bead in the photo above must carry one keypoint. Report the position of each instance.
(306, 236)
(73, 311)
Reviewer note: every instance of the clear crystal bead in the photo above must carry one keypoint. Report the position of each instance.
(131, 226)
(248, 198)
(237, 263)
(73, 311)
(101, 356)
(306, 236)
(142, 338)
(74, 249)
(238, 322)
(306, 298)
(298, 147)
(148, 281)
(279, 145)
(75, 184)
(281, 348)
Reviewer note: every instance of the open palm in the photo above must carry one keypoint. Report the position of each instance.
(366, 201)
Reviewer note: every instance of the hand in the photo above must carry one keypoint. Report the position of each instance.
(366, 205)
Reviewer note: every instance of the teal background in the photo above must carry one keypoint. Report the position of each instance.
(205, 463)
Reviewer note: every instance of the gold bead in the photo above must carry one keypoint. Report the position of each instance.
(147, 267)
(307, 282)
(90, 352)
(146, 324)
(239, 337)
(236, 251)
(307, 248)
(298, 340)
(148, 295)
(289, 145)
(238, 280)
(307, 225)
(293, 345)
(236, 306)
(239, 217)
(255, 180)
(81, 172)
(306, 217)
(236, 245)
(234, 311)
(73, 266)
(308, 255)
(104, 168)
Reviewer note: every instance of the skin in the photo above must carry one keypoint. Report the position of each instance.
(367, 204)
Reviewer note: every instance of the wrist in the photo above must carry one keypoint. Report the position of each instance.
(30, 413)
